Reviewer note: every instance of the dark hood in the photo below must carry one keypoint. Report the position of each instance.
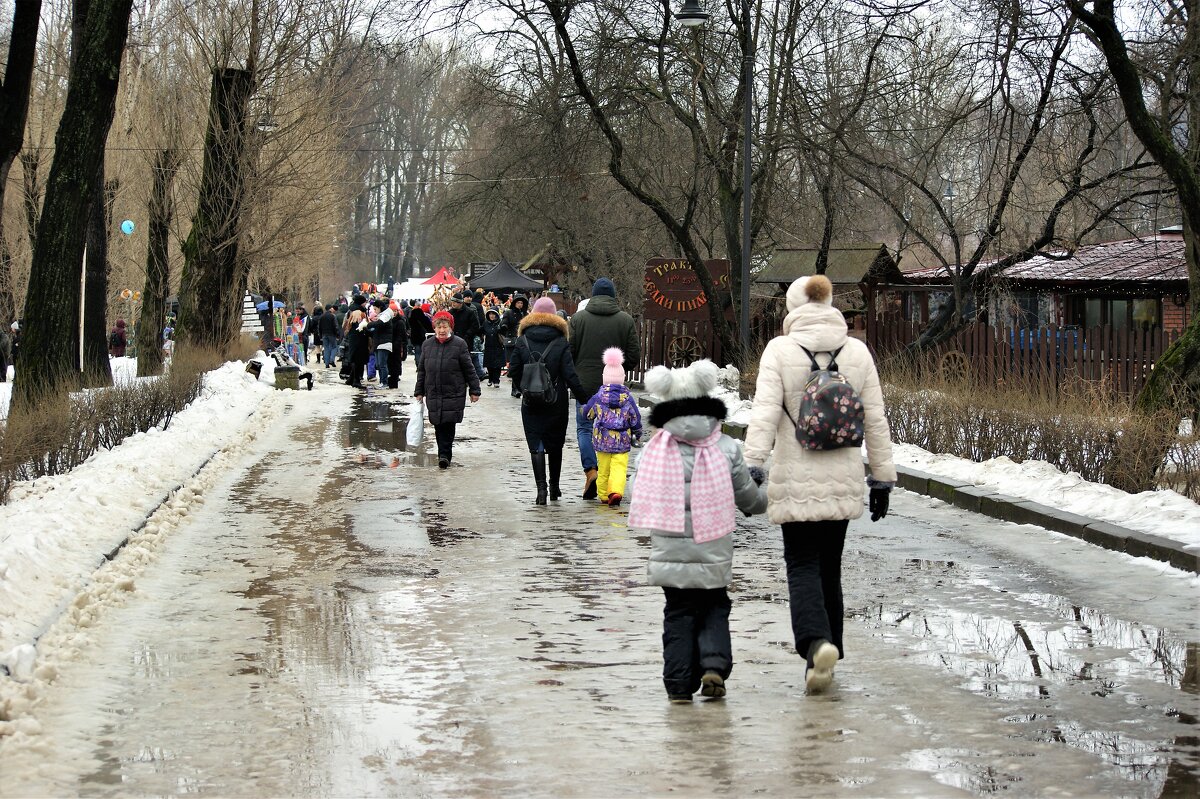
(602, 305)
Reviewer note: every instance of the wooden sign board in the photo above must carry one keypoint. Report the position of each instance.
(672, 290)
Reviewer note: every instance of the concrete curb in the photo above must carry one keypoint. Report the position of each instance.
(1022, 511)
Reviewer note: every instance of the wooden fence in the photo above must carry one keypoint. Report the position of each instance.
(1118, 358)
(674, 342)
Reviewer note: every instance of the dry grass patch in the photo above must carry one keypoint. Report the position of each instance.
(58, 431)
(1078, 427)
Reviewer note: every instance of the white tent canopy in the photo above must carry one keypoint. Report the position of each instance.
(414, 288)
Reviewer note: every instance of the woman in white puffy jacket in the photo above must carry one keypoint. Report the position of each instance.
(814, 494)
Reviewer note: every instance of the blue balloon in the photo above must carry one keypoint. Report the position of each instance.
(127, 226)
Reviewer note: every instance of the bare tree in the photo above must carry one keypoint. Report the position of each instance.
(158, 264)
(962, 141)
(1176, 377)
(14, 108)
(50, 347)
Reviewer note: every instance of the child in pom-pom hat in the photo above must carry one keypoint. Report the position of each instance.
(616, 423)
(690, 480)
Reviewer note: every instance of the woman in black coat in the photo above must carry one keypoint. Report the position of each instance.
(419, 328)
(544, 334)
(355, 359)
(493, 346)
(510, 323)
(445, 373)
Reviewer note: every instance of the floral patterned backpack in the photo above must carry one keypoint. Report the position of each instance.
(831, 412)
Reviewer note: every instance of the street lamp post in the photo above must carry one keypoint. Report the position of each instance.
(692, 15)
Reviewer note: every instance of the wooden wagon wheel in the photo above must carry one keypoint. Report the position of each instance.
(684, 350)
(955, 367)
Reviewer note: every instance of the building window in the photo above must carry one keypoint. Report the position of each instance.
(1121, 313)
(1147, 314)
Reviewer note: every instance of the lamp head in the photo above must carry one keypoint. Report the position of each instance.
(692, 15)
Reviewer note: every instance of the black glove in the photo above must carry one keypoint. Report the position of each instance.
(758, 475)
(878, 502)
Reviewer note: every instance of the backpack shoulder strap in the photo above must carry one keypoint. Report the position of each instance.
(534, 357)
(816, 367)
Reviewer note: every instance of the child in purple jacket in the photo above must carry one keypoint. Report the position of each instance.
(616, 422)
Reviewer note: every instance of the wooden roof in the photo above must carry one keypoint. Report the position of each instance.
(853, 265)
(1158, 261)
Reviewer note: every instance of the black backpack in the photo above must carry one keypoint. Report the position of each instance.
(114, 339)
(832, 415)
(537, 386)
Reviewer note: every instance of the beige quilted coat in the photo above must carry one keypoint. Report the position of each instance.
(806, 485)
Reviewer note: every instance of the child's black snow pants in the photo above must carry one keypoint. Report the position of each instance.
(695, 637)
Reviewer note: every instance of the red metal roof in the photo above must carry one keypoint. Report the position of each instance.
(1158, 259)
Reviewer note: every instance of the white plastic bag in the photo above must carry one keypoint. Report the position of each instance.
(416, 424)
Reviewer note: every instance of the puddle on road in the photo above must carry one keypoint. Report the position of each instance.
(440, 532)
(1057, 655)
(376, 433)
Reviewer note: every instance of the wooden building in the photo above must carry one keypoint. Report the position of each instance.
(1133, 284)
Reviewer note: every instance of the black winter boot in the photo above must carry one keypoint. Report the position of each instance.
(555, 471)
(539, 475)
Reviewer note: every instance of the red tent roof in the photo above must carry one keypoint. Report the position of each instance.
(444, 275)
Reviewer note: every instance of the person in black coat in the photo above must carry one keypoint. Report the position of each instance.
(493, 347)
(355, 359)
(445, 374)
(312, 339)
(419, 328)
(328, 333)
(510, 323)
(399, 352)
(544, 334)
(466, 322)
(380, 331)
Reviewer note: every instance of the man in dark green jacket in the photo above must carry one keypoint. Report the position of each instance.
(600, 325)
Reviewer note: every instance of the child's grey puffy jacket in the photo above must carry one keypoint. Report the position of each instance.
(676, 560)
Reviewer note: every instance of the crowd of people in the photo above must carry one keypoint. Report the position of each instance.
(691, 479)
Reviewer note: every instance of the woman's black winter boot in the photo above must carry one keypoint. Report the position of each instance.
(555, 457)
(539, 475)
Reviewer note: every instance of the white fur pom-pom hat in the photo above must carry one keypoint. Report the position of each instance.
(814, 289)
(690, 382)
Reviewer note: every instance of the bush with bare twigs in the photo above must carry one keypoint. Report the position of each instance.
(58, 431)
(1078, 428)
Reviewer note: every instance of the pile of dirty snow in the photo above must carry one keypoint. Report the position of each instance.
(55, 531)
(1163, 513)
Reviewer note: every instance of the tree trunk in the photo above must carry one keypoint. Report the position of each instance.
(49, 351)
(158, 265)
(1175, 382)
(214, 277)
(14, 108)
(96, 369)
(31, 195)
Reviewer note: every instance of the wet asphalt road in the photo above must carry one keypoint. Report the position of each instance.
(341, 618)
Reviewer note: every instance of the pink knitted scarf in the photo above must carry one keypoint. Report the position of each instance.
(658, 498)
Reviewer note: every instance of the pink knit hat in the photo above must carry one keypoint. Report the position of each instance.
(613, 374)
(544, 305)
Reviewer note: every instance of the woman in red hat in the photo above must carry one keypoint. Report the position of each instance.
(445, 375)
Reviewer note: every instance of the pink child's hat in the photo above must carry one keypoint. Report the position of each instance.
(613, 374)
